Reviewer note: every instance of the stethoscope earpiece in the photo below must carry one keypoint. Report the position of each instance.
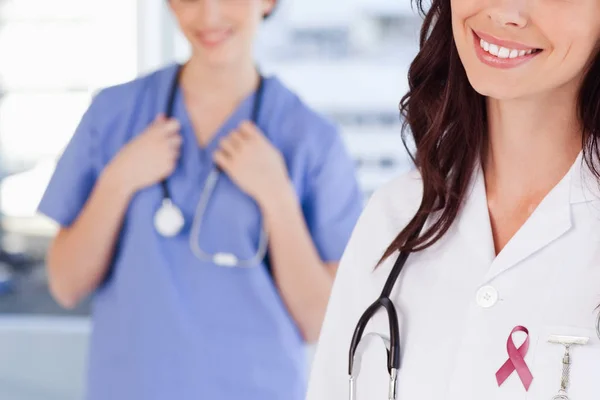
(168, 219)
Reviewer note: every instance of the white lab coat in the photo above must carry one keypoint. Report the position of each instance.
(454, 333)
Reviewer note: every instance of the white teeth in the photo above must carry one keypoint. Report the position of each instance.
(484, 45)
(503, 52)
(494, 50)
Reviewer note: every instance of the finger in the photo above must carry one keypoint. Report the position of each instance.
(222, 160)
(162, 121)
(175, 142)
(174, 154)
(171, 126)
(237, 140)
(159, 122)
(249, 130)
(227, 147)
(166, 127)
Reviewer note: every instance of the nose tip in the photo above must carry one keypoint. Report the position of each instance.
(508, 18)
(508, 13)
(209, 10)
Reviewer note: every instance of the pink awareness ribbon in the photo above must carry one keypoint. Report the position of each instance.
(516, 360)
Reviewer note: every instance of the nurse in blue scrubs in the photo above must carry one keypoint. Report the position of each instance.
(171, 318)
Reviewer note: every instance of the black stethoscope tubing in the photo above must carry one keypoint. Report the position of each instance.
(384, 301)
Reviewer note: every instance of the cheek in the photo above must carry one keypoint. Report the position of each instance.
(588, 42)
(245, 13)
(572, 32)
(463, 14)
(187, 24)
(186, 20)
(462, 10)
(574, 49)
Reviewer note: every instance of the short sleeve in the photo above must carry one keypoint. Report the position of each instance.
(333, 201)
(75, 174)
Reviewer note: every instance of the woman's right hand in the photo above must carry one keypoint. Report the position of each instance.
(150, 157)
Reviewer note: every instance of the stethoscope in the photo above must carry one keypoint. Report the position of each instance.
(598, 325)
(169, 219)
(392, 344)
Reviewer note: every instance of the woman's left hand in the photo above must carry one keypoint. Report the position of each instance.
(252, 162)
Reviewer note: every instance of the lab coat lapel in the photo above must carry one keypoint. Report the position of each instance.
(550, 220)
(474, 220)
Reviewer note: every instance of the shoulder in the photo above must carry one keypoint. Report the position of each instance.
(116, 113)
(299, 123)
(113, 103)
(155, 80)
(397, 200)
(387, 212)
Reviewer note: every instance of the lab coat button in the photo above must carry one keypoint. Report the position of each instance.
(487, 296)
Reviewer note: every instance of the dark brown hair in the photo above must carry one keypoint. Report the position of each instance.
(270, 13)
(447, 120)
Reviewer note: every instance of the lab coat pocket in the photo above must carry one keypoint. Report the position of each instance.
(583, 372)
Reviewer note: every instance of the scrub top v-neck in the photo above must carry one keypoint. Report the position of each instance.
(166, 324)
(229, 210)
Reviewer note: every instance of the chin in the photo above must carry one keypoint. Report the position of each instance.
(496, 88)
(217, 58)
(498, 92)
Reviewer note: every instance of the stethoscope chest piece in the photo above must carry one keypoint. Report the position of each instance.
(168, 219)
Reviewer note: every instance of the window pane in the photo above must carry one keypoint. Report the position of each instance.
(46, 55)
(41, 9)
(34, 126)
(96, 51)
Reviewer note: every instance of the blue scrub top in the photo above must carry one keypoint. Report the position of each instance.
(165, 324)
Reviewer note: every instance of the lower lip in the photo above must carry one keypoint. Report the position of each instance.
(496, 62)
(213, 43)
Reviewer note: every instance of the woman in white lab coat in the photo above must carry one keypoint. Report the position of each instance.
(504, 108)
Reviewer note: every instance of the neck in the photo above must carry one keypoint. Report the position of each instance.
(231, 83)
(531, 143)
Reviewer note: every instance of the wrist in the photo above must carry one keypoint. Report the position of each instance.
(279, 200)
(113, 178)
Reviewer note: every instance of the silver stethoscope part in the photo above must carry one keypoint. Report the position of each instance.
(168, 219)
(360, 350)
(222, 259)
(598, 324)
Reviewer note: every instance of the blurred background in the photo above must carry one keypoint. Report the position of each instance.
(346, 58)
